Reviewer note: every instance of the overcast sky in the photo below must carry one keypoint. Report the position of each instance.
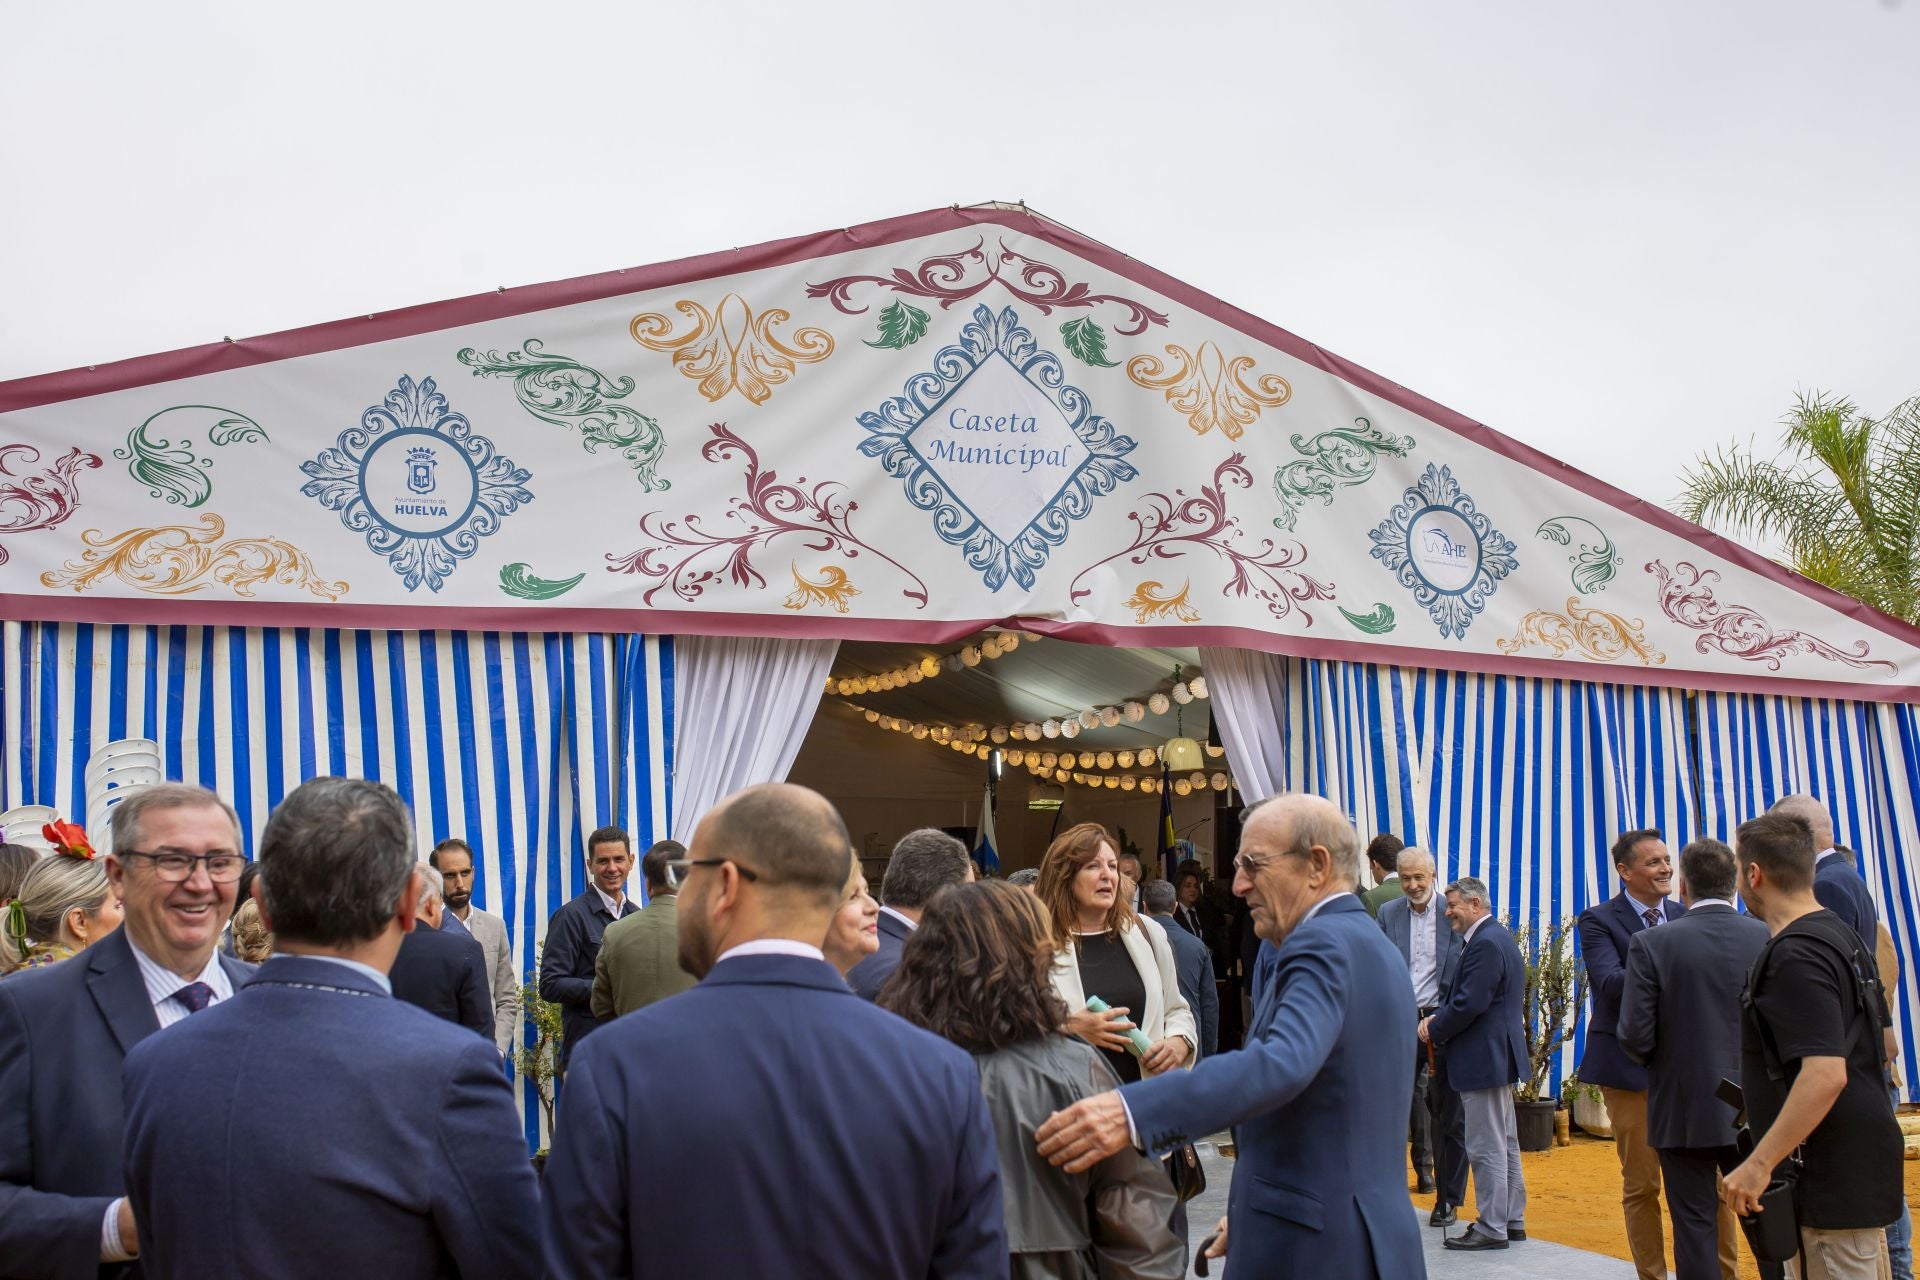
(1621, 232)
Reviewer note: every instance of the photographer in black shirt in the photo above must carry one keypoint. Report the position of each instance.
(1810, 1064)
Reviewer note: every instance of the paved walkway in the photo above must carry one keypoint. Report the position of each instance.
(1532, 1258)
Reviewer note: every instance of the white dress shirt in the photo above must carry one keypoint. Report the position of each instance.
(163, 989)
(1422, 964)
(1474, 928)
(773, 947)
(614, 906)
(1710, 902)
(905, 920)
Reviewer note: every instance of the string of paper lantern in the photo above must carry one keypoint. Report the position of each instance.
(997, 645)
(1181, 692)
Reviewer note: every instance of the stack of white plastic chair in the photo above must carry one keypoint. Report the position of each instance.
(22, 823)
(115, 772)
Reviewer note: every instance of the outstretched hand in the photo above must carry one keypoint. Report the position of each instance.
(1085, 1133)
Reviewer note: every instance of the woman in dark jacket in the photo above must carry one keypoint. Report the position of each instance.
(977, 971)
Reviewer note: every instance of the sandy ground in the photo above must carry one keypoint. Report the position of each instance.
(1573, 1198)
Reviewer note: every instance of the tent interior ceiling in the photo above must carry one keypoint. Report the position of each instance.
(1036, 682)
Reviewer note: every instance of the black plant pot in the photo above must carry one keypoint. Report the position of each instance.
(1535, 1123)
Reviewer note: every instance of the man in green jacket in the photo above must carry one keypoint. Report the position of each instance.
(639, 956)
(1384, 854)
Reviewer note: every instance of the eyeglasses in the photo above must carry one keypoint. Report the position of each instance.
(680, 867)
(1241, 862)
(173, 866)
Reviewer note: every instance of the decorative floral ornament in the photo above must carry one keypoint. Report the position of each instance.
(730, 348)
(69, 838)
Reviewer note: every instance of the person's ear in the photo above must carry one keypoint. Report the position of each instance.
(407, 910)
(117, 877)
(76, 923)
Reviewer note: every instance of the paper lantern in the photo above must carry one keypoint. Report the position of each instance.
(1150, 785)
(1158, 704)
(1219, 781)
(989, 648)
(1134, 713)
(1105, 760)
(1129, 782)
(929, 666)
(1199, 781)
(1071, 728)
(1148, 756)
(1109, 716)
(1199, 686)
(1181, 787)
(1089, 719)
(1016, 758)
(1051, 728)
(1124, 759)
(920, 732)
(1181, 694)
(1181, 754)
(1214, 752)
(970, 656)
(1112, 782)
(1009, 641)
(1060, 775)
(997, 733)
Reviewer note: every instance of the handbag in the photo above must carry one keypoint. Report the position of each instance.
(1184, 1170)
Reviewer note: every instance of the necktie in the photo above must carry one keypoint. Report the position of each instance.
(1651, 916)
(195, 995)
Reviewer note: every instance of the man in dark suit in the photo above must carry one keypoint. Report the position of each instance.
(1480, 1034)
(1837, 883)
(1317, 1188)
(1646, 876)
(313, 1125)
(1416, 924)
(65, 1030)
(574, 933)
(768, 1083)
(1192, 964)
(439, 970)
(923, 863)
(1680, 1016)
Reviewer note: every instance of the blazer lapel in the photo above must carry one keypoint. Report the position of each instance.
(114, 980)
(1140, 951)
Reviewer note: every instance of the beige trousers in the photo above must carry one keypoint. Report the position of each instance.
(1843, 1255)
(1640, 1180)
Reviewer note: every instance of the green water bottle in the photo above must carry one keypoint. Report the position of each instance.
(1137, 1042)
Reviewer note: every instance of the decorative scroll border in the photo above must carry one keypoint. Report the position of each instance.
(1735, 629)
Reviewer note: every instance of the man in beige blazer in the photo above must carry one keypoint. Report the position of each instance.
(639, 956)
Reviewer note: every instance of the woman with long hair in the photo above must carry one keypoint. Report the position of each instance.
(1103, 949)
(64, 906)
(976, 972)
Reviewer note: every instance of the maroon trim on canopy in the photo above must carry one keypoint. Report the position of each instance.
(22, 393)
(428, 617)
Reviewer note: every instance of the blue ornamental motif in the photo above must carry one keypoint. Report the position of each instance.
(999, 446)
(418, 482)
(1444, 550)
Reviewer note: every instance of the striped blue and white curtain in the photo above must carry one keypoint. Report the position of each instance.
(520, 744)
(1524, 783)
(1863, 761)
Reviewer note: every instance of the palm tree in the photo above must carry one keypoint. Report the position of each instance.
(1841, 500)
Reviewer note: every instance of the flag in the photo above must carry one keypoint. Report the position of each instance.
(1166, 851)
(984, 852)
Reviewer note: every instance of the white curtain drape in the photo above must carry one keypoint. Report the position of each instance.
(1249, 692)
(747, 702)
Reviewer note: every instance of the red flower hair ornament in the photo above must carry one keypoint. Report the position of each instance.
(69, 838)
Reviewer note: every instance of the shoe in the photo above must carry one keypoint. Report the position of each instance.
(1516, 1233)
(1424, 1187)
(1472, 1239)
(1443, 1215)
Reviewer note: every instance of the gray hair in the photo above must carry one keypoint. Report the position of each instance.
(1024, 876)
(1810, 811)
(55, 885)
(1158, 896)
(1410, 856)
(433, 885)
(125, 825)
(1471, 889)
(924, 862)
(335, 857)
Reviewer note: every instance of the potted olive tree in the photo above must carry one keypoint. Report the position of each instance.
(539, 1061)
(1556, 990)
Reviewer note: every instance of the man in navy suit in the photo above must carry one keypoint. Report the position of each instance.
(923, 863)
(573, 937)
(1318, 1187)
(731, 1130)
(1680, 1016)
(1606, 930)
(65, 1030)
(442, 970)
(1479, 1033)
(1416, 924)
(313, 1125)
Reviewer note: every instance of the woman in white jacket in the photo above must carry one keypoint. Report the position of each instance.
(1101, 948)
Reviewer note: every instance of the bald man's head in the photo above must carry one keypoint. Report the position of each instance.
(1811, 812)
(1304, 821)
(790, 836)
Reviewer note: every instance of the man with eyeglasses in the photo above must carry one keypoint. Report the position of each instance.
(750, 1103)
(1319, 1188)
(65, 1031)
